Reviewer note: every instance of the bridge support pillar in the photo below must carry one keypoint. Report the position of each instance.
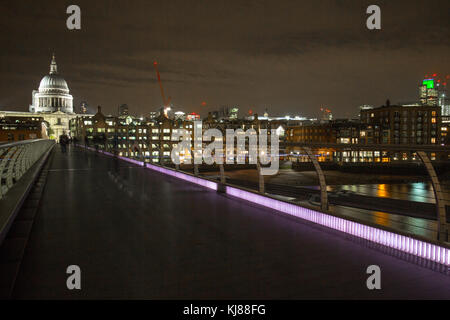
(142, 157)
(321, 176)
(222, 173)
(195, 169)
(442, 226)
(261, 178)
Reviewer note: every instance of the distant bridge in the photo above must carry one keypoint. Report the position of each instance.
(369, 147)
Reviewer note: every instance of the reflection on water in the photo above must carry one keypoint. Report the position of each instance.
(421, 227)
(381, 218)
(381, 190)
(415, 191)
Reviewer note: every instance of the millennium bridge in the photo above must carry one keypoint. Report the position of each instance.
(137, 230)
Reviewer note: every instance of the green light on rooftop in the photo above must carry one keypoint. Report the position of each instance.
(429, 83)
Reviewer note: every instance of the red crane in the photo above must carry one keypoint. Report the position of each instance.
(165, 102)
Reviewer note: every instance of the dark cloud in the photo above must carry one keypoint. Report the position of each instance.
(289, 56)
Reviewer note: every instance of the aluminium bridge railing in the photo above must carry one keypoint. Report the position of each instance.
(406, 245)
(443, 228)
(16, 158)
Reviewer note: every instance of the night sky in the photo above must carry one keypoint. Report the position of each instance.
(288, 56)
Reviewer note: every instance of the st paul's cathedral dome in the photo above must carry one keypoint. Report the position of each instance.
(53, 94)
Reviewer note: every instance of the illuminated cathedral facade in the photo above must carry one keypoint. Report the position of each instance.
(53, 93)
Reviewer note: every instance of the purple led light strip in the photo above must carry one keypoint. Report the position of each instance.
(403, 243)
(400, 242)
(177, 174)
(203, 182)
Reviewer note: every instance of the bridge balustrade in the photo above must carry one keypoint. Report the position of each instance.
(442, 228)
(16, 158)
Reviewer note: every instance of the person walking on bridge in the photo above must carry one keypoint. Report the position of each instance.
(116, 144)
(63, 141)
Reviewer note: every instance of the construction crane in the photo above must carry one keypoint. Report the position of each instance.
(165, 102)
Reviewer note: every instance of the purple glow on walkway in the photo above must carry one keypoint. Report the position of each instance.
(177, 174)
(400, 242)
(139, 163)
(403, 243)
(203, 182)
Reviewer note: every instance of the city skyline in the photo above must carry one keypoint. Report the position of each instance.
(289, 61)
(214, 156)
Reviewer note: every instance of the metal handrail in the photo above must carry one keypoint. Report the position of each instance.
(12, 144)
(17, 157)
(443, 226)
